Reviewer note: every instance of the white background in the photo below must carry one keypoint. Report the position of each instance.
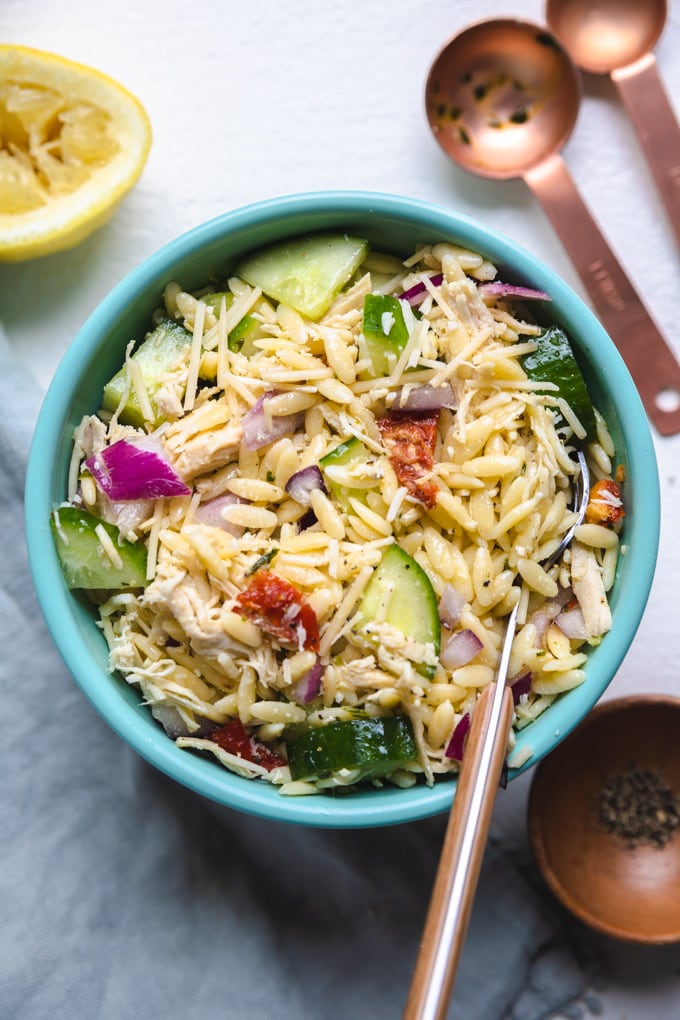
(262, 98)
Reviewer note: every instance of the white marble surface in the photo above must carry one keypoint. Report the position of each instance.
(252, 100)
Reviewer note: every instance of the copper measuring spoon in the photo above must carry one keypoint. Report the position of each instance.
(502, 98)
(615, 37)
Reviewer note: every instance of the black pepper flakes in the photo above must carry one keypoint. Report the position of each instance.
(639, 807)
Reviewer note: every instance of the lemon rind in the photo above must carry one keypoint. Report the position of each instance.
(66, 221)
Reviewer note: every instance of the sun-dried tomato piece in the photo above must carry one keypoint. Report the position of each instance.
(235, 739)
(410, 442)
(276, 606)
(605, 505)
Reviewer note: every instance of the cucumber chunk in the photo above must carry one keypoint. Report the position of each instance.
(244, 332)
(401, 584)
(554, 361)
(384, 330)
(214, 300)
(352, 451)
(374, 746)
(241, 336)
(85, 562)
(306, 273)
(157, 354)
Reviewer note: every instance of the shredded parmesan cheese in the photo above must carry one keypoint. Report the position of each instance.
(140, 390)
(108, 546)
(195, 356)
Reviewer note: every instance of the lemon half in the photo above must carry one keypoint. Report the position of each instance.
(72, 143)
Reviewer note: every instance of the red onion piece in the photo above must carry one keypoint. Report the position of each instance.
(498, 289)
(546, 614)
(460, 649)
(307, 520)
(153, 442)
(416, 294)
(171, 721)
(424, 398)
(127, 471)
(210, 513)
(456, 745)
(571, 623)
(173, 724)
(519, 686)
(127, 515)
(451, 605)
(260, 429)
(309, 685)
(303, 482)
(541, 620)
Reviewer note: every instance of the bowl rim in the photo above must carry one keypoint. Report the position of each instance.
(602, 712)
(366, 808)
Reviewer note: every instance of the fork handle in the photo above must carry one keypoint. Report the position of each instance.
(461, 857)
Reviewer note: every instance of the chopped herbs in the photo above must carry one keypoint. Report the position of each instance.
(263, 561)
(446, 112)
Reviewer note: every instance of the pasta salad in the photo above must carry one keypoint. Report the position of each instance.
(314, 492)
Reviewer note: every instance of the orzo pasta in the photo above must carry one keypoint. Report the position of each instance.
(305, 520)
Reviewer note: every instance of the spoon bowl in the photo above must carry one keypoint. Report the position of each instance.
(616, 37)
(604, 36)
(501, 97)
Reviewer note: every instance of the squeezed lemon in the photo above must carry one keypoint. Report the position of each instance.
(72, 143)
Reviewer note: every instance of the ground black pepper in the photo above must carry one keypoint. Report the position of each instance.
(639, 806)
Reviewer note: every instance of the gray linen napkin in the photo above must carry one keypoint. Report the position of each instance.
(126, 896)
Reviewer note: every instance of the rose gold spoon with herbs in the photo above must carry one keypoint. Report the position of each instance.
(466, 834)
(502, 98)
(615, 37)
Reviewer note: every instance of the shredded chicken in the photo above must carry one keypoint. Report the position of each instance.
(90, 436)
(206, 451)
(589, 590)
(177, 595)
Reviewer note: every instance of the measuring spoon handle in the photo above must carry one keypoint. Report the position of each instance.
(644, 96)
(651, 362)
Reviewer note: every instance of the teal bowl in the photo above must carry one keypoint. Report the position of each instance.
(393, 224)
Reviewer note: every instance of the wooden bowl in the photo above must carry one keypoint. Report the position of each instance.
(629, 892)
